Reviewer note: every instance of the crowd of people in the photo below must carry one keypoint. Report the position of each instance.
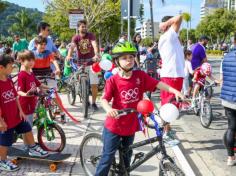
(181, 71)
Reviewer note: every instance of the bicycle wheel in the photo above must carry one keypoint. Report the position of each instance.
(51, 139)
(206, 114)
(90, 152)
(71, 94)
(84, 88)
(170, 169)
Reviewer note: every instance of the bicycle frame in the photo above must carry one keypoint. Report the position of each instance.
(42, 118)
(141, 157)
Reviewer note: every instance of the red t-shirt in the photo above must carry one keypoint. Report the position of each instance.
(200, 78)
(126, 93)
(8, 105)
(26, 81)
(84, 46)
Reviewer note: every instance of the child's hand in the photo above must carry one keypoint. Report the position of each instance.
(217, 82)
(31, 91)
(113, 113)
(23, 116)
(3, 125)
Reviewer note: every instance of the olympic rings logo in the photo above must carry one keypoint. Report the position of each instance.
(8, 95)
(130, 94)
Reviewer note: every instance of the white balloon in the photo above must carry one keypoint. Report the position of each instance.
(169, 112)
(105, 64)
(115, 71)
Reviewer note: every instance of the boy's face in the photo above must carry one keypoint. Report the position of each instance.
(6, 70)
(28, 63)
(41, 47)
(126, 61)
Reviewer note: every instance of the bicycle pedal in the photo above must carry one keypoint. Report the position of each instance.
(138, 156)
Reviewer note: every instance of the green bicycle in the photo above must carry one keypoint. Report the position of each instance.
(50, 135)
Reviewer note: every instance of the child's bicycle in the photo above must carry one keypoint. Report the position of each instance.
(90, 154)
(202, 106)
(50, 135)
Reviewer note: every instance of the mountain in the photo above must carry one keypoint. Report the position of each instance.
(12, 9)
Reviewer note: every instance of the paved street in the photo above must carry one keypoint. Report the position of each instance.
(202, 147)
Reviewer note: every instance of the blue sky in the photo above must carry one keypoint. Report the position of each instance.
(171, 7)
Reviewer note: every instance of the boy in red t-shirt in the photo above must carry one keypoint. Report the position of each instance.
(27, 84)
(12, 118)
(199, 78)
(126, 88)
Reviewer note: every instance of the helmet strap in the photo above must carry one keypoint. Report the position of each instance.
(124, 71)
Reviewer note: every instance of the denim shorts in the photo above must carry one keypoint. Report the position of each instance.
(6, 137)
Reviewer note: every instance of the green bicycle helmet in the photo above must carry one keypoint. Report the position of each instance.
(123, 48)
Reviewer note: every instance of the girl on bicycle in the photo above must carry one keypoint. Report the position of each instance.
(199, 79)
(126, 89)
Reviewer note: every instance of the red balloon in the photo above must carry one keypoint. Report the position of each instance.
(145, 107)
(95, 67)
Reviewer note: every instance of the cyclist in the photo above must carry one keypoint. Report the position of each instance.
(126, 88)
(199, 79)
(27, 85)
(12, 118)
(88, 53)
(43, 59)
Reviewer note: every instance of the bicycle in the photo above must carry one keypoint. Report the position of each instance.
(79, 85)
(166, 166)
(50, 135)
(203, 107)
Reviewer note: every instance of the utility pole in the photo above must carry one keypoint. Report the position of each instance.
(129, 5)
(152, 22)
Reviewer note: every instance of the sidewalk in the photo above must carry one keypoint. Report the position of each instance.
(74, 135)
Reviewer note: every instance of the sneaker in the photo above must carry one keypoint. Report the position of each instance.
(193, 104)
(37, 151)
(7, 165)
(169, 139)
(231, 162)
(94, 106)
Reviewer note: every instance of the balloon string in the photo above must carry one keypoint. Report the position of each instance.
(64, 109)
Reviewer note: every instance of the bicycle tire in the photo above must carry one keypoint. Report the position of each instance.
(171, 167)
(84, 88)
(86, 169)
(61, 133)
(208, 116)
(71, 94)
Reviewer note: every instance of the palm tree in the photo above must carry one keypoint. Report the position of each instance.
(187, 19)
(23, 23)
(151, 11)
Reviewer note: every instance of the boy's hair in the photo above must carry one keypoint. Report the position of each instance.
(26, 55)
(82, 22)
(8, 51)
(40, 40)
(166, 18)
(187, 53)
(42, 26)
(5, 59)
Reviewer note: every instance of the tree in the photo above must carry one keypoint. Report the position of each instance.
(3, 6)
(218, 25)
(96, 12)
(187, 19)
(192, 35)
(24, 23)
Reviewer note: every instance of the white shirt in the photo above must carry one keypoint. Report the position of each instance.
(188, 68)
(2, 50)
(172, 55)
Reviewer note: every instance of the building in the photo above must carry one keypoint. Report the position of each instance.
(146, 29)
(208, 6)
(230, 4)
